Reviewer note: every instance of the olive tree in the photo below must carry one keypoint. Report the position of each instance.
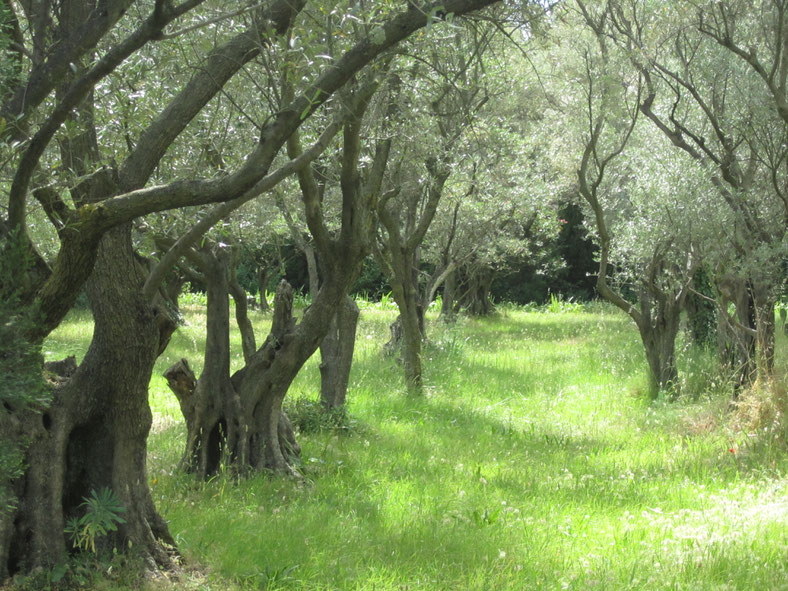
(624, 180)
(720, 106)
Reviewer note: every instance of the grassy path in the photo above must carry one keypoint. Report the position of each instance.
(531, 463)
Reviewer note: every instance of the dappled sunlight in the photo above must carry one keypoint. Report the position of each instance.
(528, 461)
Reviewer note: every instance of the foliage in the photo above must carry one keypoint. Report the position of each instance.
(102, 516)
(22, 385)
(20, 360)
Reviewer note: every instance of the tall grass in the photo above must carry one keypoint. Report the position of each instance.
(530, 463)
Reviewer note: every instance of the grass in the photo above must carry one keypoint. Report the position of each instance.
(530, 463)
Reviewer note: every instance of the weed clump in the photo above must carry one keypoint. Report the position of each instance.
(762, 410)
(309, 416)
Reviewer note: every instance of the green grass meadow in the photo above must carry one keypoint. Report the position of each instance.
(533, 461)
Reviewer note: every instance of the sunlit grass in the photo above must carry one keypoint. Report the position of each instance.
(529, 463)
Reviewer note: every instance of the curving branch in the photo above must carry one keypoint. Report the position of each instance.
(217, 69)
(48, 73)
(179, 248)
(150, 29)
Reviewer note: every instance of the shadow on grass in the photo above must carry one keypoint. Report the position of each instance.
(420, 493)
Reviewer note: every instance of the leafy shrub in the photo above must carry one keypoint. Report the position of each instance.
(102, 515)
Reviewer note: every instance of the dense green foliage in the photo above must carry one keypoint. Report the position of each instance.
(532, 462)
(22, 384)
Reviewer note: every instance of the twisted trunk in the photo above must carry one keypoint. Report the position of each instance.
(212, 412)
(238, 421)
(476, 299)
(94, 433)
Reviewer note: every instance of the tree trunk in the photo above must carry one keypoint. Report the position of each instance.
(242, 424)
(248, 344)
(409, 328)
(394, 344)
(658, 327)
(411, 319)
(477, 297)
(173, 286)
(264, 382)
(220, 432)
(336, 354)
(312, 269)
(659, 342)
(411, 349)
(94, 433)
(213, 418)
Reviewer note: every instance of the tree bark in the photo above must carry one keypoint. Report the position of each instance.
(248, 344)
(404, 290)
(336, 355)
(701, 316)
(213, 411)
(94, 433)
(476, 299)
(239, 421)
(412, 338)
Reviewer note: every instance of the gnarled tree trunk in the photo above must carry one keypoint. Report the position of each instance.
(94, 434)
(476, 299)
(212, 414)
(239, 420)
(263, 383)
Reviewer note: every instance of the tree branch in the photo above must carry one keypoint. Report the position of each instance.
(171, 257)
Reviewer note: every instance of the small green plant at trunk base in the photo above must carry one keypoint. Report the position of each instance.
(101, 516)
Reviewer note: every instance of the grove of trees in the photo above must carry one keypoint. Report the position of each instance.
(149, 143)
